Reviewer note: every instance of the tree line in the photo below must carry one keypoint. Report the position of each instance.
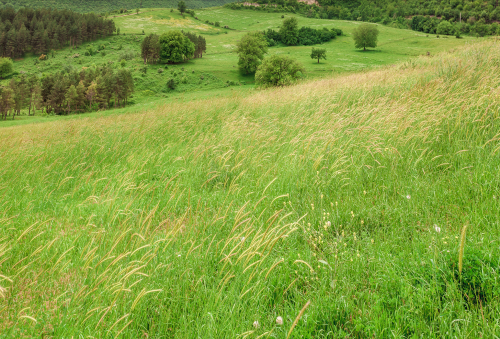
(172, 47)
(40, 30)
(291, 35)
(64, 93)
(465, 16)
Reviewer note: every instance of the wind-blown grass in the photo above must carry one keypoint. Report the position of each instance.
(197, 219)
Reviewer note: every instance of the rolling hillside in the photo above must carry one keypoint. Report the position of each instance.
(361, 205)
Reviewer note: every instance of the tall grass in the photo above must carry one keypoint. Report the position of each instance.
(197, 219)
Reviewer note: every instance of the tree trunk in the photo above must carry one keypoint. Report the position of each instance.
(318, 60)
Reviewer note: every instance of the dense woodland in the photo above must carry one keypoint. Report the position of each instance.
(67, 92)
(463, 16)
(106, 6)
(38, 31)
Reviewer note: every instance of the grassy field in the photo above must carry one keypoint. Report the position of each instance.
(219, 64)
(337, 204)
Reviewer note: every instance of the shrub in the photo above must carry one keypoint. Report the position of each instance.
(445, 28)
(217, 24)
(7, 66)
(160, 70)
(123, 62)
(278, 70)
(171, 84)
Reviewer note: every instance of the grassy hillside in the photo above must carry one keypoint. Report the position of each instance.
(198, 219)
(218, 67)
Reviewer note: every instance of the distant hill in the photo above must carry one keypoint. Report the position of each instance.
(102, 6)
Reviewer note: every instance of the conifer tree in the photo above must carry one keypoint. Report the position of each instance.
(6, 101)
(71, 99)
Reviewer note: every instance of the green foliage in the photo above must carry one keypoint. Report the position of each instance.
(150, 49)
(318, 53)
(445, 28)
(181, 6)
(278, 70)
(175, 47)
(289, 31)
(251, 49)
(43, 30)
(6, 67)
(111, 7)
(365, 36)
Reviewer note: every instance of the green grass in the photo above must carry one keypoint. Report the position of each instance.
(195, 219)
(219, 64)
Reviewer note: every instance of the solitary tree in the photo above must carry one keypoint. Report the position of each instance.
(278, 70)
(289, 31)
(181, 6)
(251, 50)
(365, 36)
(318, 53)
(175, 47)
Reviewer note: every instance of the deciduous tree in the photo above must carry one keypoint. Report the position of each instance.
(175, 47)
(365, 36)
(289, 31)
(251, 49)
(278, 70)
(318, 53)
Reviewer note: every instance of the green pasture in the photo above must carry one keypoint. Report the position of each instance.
(219, 63)
(363, 205)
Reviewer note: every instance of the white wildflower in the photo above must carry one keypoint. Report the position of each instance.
(256, 324)
(437, 228)
(279, 321)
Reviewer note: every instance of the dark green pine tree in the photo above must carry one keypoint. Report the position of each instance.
(11, 43)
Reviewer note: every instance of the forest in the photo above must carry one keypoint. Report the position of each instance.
(106, 6)
(40, 30)
(65, 92)
(478, 18)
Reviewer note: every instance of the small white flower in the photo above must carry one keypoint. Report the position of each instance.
(328, 224)
(178, 255)
(437, 228)
(279, 321)
(242, 239)
(408, 197)
(256, 324)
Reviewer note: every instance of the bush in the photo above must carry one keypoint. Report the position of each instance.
(171, 84)
(278, 70)
(217, 24)
(160, 70)
(127, 55)
(123, 62)
(445, 28)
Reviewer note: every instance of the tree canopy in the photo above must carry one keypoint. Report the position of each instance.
(318, 53)
(175, 47)
(365, 35)
(278, 70)
(181, 6)
(289, 31)
(38, 31)
(6, 67)
(251, 49)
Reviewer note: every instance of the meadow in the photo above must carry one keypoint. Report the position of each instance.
(340, 204)
(217, 70)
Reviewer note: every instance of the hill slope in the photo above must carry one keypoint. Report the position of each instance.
(197, 219)
(102, 6)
